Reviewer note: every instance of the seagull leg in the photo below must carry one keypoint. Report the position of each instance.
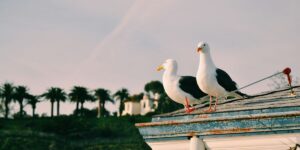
(188, 109)
(210, 101)
(216, 103)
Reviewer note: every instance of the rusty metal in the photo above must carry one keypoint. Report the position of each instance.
(256, 98)
(157, 123)
(235, 130)
(274, 113)
(249, 117)
(203, 116)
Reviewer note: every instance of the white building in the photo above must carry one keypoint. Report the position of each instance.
(131, 108)
(148, 105)
(142, 107)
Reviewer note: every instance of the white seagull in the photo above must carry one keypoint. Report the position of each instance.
(212, 80)
(181, 89)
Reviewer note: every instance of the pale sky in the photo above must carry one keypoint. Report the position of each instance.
(119, 43)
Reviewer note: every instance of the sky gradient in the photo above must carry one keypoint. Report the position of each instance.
(119, 43)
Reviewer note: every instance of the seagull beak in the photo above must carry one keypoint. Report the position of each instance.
(159, 68)
(199, 49)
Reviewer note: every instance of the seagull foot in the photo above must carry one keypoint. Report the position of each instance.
(209, 110)
(189, 109)
(215, 109)
(187, 106)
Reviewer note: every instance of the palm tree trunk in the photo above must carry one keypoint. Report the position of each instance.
(102, 105)
(99, 109)
(52, 103)
(33, 111)
(6, 110)
(77, 107)
(81, 109)
(57, 114)
(121, 108)
(21, 108)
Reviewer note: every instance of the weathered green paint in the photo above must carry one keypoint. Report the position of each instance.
(277, 113)
(227, 113)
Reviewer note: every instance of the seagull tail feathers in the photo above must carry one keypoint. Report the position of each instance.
(242, 95)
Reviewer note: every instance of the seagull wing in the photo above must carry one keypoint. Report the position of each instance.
(189, 85)
(225, 81)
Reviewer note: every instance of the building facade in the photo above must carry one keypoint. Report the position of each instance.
(141, 107)
(131, 108)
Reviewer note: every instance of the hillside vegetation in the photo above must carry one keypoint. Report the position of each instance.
(72, 133)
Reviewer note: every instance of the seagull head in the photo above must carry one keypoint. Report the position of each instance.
(202, 47)
(169, 64)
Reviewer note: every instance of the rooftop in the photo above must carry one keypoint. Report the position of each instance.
(277, 98)
(266, 113)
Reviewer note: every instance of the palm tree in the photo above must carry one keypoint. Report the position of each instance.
(7, 94)
(33, 100)
(1, 108)
(60, 96)
(74, 96)
(21, 93)
(79, 95)
(50, 94)
(103, 96)
(121, 95)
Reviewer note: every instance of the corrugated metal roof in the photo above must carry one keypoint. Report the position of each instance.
(267, 113)
(277, 98)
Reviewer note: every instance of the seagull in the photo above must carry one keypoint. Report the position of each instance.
(212, 80)
(181, 89)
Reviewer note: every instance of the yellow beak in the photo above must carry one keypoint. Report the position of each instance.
(159, 68)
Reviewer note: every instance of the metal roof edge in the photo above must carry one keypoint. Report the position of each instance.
(199, 120)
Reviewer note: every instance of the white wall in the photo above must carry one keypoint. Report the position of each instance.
(135, 108)
(131, 108)
(261, 142)
(173, 145)
(146, 105)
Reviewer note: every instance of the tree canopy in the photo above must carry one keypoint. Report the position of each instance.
(80, 94)
(7, 95)
(121, 95)
(165, 104)
(20, 94)
(103, 95)
(55, 94)
(154, 87)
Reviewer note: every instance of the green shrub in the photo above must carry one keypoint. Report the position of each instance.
(107, 133)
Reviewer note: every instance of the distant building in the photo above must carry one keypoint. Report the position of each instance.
(131, 108)
(141, 107)
(148, 105)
